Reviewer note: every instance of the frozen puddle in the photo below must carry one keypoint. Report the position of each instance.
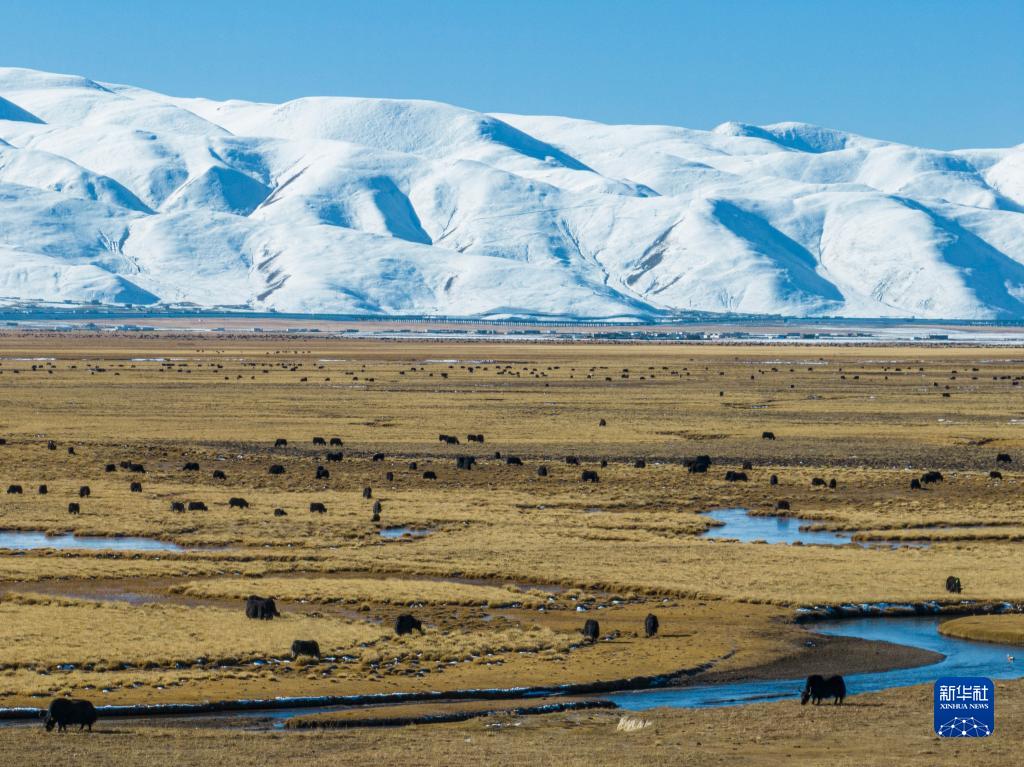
(34, 539)
(404, 532)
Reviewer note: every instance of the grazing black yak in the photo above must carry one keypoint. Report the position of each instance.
(639, 463)
(319, 441)
(177, 506)
(238, 503)
(747, 465)
(782, 506)
(589, 475)
(305, 647)
(280, 513)
(1004, 458)
(84, 491)
(218, 474)
(335, 457)
(773, 480)
(735, 476)
(650, 625)
(110, 467)
(322, 473)
(65, 711)
(317, 508)
(367, 492)
(137, 468)
(74, 508)
(259, 608)
(542, 471)
(465, 462)
(389, 476)
(378, 457)
(51, 445)
(591, 630)
(197, 506)
(412, 466)
(604, 463)
(336, 441)
(818, 688)
(995, 475)
(817, 482)
(429, 475)
(602, 422)
(767, 435)
(190, 466)
(406, 624)
(280, 442)
(953, 585)
(572, 460)
(377, 508)
(698, 465)
(135, 487)
(43, 490)
(14, 490)
(832, 484)
(513, 461)
(276, 469)
(915, 484)
(931, 476)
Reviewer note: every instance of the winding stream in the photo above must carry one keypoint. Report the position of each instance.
(963, 657)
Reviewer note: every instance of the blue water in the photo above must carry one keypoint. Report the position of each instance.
(963, 658)
(739, 524)
(30, 539)
(402, 532)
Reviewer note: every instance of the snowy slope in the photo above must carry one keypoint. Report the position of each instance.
(371, 206)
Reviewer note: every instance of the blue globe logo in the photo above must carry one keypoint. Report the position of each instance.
(964, 727)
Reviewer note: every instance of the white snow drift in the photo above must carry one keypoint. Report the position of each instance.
(370, 206)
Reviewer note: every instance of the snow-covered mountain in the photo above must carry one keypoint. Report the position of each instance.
(116, 194)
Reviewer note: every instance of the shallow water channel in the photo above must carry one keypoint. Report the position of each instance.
(404, 532)
(963, 658)
(35, 539)
(741, 525)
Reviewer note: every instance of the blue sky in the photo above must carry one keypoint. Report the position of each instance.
(929, 72)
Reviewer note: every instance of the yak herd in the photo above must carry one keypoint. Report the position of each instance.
(63, 712)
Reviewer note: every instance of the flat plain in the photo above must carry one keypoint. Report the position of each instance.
(506, 564)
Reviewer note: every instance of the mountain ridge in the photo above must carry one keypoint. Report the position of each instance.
(345, 205)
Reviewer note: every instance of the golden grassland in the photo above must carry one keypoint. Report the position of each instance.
(872, 418)
(48, 633)
(1002, 629)
(893, 727)
(121, 653)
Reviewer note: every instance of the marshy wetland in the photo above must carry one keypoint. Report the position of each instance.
(501, 564)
